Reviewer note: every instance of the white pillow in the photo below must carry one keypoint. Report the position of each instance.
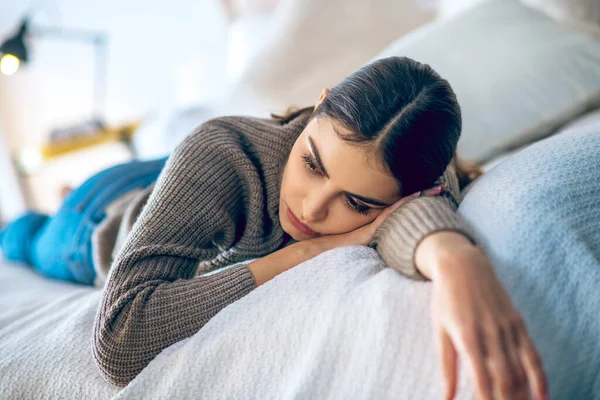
(314, 44)
(245, 35)
(518, 74)
(584, 13)
(449, 8)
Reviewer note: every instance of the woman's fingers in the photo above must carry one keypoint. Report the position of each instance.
(374, 225)
(504, 363)
(405, 199)
(486, 330)
(472, 350)
(532, 363)
(449, 371)
(391, 208)
(511, 349)
(388, 211)
(505, 369)
(434, 191)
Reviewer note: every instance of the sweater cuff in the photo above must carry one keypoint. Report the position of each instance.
(399, 235)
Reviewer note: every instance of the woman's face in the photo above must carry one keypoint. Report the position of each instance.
(340, 194)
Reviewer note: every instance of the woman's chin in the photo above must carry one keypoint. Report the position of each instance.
(297, 236)
(290, 230)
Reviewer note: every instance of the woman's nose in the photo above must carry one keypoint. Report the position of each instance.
(315, 207)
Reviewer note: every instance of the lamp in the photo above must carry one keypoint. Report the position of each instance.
(14, 52)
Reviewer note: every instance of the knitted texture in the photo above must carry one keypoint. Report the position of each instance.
(216, 203)
(399, 235)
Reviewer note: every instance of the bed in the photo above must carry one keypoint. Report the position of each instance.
(343, 325)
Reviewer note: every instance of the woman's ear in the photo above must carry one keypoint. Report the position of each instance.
(324, 94)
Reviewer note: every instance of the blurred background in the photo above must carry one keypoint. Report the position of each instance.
(103, 82)
(158, 55)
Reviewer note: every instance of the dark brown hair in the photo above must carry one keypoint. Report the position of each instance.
(403, 112)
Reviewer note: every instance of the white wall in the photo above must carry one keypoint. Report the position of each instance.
(12, 201)
(161, 54)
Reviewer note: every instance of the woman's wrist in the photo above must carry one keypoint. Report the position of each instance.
(433, 252)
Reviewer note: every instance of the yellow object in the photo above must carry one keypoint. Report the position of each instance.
(9, 64)
(123, 133)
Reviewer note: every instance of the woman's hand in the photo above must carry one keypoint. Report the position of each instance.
(364, 234)
(474, 318)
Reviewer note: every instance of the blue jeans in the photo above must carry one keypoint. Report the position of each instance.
(59, 247)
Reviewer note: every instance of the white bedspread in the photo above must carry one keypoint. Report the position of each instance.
(45, 338)
(339, 326)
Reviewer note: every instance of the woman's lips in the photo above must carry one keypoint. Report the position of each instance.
(298, 225)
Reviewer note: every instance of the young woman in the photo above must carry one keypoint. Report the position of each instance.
(356, 169)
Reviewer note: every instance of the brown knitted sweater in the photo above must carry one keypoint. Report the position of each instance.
(214, 204)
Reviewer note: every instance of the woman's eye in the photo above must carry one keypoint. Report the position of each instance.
(364, 210)
(310, 167)
(358, 208)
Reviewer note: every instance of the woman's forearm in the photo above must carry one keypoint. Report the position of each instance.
(266, 268)
(429, 255)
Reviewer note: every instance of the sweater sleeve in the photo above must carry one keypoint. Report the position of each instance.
(398, 236)
(152, 297)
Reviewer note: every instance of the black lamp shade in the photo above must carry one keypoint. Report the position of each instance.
(16, 44)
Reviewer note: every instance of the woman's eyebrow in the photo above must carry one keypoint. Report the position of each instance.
(315, 152)
(313, 149)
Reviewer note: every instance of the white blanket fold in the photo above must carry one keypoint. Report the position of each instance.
(338, 326)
